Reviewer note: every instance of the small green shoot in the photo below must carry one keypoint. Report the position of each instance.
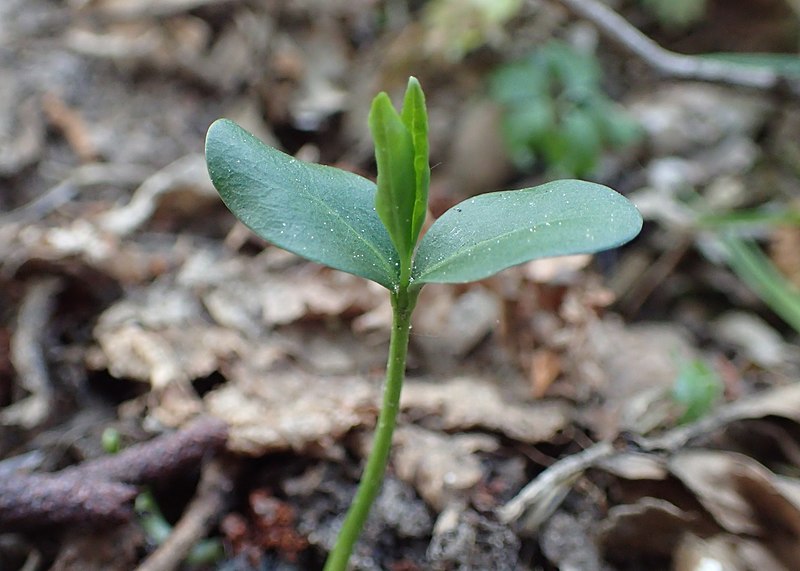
(157, 529)
(344, 221)
(111, 440)
(697, 389)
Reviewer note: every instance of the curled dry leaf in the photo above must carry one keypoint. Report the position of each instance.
(465, 403)
(186, 174)
(635, 397)
(649, 527)
(756, 339)
(161, 337)
(723, 551)
(442, 468)
(311, 291)
(290, 410)
(741, 494)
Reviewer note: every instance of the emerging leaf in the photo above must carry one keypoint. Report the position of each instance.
(321, 213)
(493, 231)
(415, 118)
(394, 154)
(401, 152)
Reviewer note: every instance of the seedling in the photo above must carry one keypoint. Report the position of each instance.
(345, 221)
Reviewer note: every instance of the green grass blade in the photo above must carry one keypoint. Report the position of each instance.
(759, 273)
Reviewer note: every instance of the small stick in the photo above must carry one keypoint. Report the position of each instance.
(160, 458)
(27, 356)
(36, 500)
(100, 492)
(673, 64)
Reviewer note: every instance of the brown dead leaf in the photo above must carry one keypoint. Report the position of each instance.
(650, 527)
(290, 410)
(443, 468)
(755, 338)
(718, 552)
(310, 291)
(161, 337)
(467, 403)
(633, 368)
(741, 494)
(545, 368)
(453, 324)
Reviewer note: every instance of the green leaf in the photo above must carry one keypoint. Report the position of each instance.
(494, 231)
(394, 154)
(320, 213)
(415, 118)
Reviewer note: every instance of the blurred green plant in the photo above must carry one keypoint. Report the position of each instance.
(555, 111)
(756, 270)
(456, 27)
(111, 441)
(733, 233)
(697, 389)
(157, 529)
(676, 13)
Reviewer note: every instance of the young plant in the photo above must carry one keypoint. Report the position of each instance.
(345, 221)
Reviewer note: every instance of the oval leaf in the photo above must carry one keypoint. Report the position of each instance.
(321, 213)
(494, 231)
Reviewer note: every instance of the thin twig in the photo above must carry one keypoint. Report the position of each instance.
(100, 491)
(213, 491)
(27, 356)
(160, 458)
(37, 500)
(560, 475)
(673, 64)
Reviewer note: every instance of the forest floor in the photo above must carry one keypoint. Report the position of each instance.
(637, 409)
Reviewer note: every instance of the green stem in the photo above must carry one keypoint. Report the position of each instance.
(403, 303)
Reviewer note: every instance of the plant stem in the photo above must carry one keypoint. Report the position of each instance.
(403, 303)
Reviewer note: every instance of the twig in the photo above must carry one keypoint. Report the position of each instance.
(86, 175)
(187, 172)
(213, 491)
(99, 492)
(27, 356)
(559, 476)
(673, 64)
(37, 500)
(159, 459)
